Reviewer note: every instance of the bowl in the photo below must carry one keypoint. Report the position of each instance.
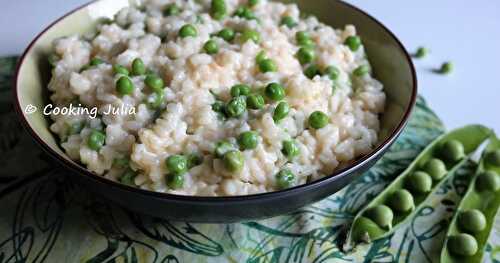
(391, 65)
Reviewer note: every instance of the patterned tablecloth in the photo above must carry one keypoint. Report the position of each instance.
(46, 217)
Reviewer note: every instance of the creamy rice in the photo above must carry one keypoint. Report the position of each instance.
(186, 122)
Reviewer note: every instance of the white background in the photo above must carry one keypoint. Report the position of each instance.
(466, 32)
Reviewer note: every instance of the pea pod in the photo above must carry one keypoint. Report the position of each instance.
(471, 225)
(403, 198)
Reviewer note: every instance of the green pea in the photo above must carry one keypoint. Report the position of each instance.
(493, 158)
(120, 70)
(53, 59)
(239, 11)
(267, 65)
(122, 162)
(302, 37)
(188, 30)
(260, 57)
(419, 182)
(446, 68)
(365, 230)
(96, 140)
(138, 67)
(240, 90)
(236, 107)
(306, 55)
(453, 151)
(218, 9)
(128, 177)
(245, 12)
(253, 3)
(332, 72)
(194, 159)
(233, 161)
(222, 148)
(285, 179)
(488, 181)
(281, 111)
(154, 82)
(288, 21)
(176, 164)
(382, 215)
(401, 201)
(353, 42)
(436, 169)
(318, 120)
(155, 100)
(312, 71)
(218, 106)
(462, 245)
(471, 221)
(124, 86)
(275, 91)
(211, 47)
(421, 52)
(150, 72)
(290, 149)
(361, 70)
(255, 102)
(227, 34)
(308, 44)
(175, 181)
(250, 34)
(96, 62)
(248, 140)
(171, 10)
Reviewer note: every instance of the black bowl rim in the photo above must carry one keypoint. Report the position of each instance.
(208, 200)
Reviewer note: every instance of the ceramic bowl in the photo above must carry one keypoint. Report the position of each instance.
(391, 65)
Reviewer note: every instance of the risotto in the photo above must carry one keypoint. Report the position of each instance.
(214, 97)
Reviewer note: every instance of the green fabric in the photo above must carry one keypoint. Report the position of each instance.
(47, 218)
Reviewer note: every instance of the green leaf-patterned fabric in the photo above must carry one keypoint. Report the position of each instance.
(45, 217)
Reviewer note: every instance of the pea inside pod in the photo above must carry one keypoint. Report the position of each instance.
(488, 182)
(493, 159)
(472, 221)
(453, 151)
(419, 182)
(436, 168)
(410, 191)
(382, 215)
(472, 224)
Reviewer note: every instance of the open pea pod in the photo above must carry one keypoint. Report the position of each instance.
(408, 192)
(473, 221)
